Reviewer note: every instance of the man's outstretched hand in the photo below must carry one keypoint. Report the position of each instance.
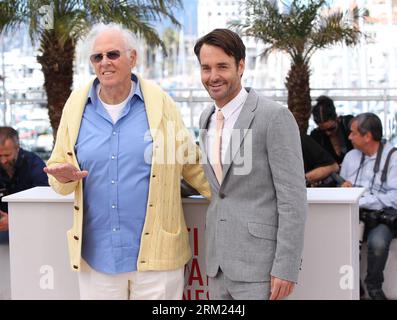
(65, 173)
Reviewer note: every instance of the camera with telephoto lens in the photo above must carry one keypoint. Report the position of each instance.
(369, 217)
(372, 218)
(389, 218)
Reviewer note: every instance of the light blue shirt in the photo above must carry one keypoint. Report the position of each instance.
(379, 197)
(116, 188)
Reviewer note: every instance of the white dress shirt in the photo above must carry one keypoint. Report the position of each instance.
(230, 111)
(377, 198)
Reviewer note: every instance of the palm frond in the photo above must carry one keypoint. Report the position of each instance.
(337, 27)
(73, 17)
(301, 29)
(138, 16)
(11, 14)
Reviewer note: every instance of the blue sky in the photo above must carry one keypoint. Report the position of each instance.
(186, 16)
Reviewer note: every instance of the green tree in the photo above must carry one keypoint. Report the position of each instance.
(299, 31)
(59, 24)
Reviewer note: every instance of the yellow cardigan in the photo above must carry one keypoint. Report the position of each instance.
(164, 239)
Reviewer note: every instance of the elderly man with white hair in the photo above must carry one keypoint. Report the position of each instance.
(116, 151)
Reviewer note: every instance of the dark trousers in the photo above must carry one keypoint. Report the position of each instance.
(378, 243)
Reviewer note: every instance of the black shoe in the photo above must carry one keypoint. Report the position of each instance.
(377, 294)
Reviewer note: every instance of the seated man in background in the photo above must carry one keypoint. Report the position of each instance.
(19, 170)
(319, 165)
(333, 131)
(373, 165)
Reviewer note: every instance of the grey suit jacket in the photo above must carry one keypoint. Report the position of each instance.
(255, 221)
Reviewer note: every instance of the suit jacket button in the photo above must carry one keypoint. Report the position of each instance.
(222, 195)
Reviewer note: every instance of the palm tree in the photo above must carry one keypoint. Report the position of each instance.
(59, 24)
(301, 30)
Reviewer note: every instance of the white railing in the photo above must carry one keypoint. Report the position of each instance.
(382, 101)
(192, 101)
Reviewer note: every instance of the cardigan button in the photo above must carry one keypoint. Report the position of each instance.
(69, 153)
(76, 237)
(76, 267)
(76, 208)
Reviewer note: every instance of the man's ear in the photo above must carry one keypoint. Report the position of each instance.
(133, 58)
(241, 67)
(368, 137)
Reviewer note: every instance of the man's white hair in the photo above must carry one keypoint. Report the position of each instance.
(97, 29)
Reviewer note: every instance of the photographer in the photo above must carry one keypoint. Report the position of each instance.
(19, 170)
(373, 165)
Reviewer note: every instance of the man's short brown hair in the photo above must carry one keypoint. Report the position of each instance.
(227, 40)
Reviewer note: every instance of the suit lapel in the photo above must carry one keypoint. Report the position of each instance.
(204, 142)
(241, 127)
(204, 130)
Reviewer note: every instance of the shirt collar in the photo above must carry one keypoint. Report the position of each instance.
(137, 90)
(92, 96)
(234, 104)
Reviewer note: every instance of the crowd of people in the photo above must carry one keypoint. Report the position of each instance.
(129, 237)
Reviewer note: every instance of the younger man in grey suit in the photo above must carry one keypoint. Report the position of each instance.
(255, 221)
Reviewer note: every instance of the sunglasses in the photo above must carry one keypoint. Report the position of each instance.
(111, 55)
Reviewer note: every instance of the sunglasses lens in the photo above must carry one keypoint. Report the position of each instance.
(95, 58)
(113, 55)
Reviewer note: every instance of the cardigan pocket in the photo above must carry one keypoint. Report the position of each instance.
(172, 245)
